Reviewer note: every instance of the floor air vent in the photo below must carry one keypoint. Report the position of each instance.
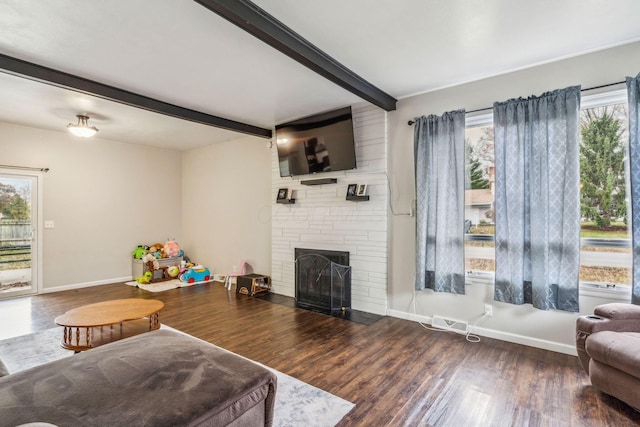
(451, 324)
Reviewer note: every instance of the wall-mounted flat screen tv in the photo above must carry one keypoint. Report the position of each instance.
(320, 143)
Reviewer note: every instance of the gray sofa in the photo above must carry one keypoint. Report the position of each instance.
(160, 378)
(608, 345)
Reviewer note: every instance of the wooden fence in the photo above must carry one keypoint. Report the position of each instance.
(15, 232)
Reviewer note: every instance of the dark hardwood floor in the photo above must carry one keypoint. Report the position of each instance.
(395, 371)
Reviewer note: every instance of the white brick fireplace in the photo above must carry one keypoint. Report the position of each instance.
(321, 218)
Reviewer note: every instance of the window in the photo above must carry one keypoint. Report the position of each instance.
(479, 195)
(605, 255)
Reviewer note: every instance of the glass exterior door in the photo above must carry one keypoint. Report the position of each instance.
(18, 227)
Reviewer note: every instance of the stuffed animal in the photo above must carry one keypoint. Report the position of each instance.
(145, 278)
(157, 250)
(171, 248)
(173, 271)
(140, 251)
(150, 258)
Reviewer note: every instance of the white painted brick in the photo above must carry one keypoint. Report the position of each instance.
(370, 307)
(368, 243)
(358, 294)
(359, 275)
(279, 256)
(377, 284)
(378, 268)
(372, 254)
(326, 238)
(370, 299)
(288, 225)
(321, 218)
(365, 261)
(377, 236)
(362, 236)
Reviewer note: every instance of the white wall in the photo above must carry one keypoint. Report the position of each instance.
(321, 218)
(104, 196)
(226, 204)
(553, 330)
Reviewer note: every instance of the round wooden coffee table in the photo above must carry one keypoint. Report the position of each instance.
(96, 324)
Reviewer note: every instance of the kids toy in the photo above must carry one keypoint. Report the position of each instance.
(140, 251)
(171, 248)
(173, 271)
(156, 249)
(149, 258)
(197, 273)
(158, 273)
(145, 278)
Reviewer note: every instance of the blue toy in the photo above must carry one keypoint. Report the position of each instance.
(197, 273)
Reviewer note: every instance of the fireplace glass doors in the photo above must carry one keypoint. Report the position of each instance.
(323, 280)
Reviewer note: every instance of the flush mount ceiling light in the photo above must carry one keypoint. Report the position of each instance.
(82, 128)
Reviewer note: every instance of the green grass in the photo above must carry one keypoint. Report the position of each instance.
(618, 230)
(17, 259)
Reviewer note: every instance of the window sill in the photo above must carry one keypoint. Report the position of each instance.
(590, 289)
(599, 290)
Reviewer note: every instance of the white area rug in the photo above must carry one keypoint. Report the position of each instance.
(164, 286)
(297, 403)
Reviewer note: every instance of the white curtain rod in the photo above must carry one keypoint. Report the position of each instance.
(28, 168)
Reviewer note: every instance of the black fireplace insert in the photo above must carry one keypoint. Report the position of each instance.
(323, 280)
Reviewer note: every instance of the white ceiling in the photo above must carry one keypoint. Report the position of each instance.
(181, 53)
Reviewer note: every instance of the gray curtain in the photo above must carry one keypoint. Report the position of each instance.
(633, 91)
(439, 152)
(537, 200)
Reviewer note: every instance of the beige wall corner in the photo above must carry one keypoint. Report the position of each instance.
(226, 204)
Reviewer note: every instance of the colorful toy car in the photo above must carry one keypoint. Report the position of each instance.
(197, 273)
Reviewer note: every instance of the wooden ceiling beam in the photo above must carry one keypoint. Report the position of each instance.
(257, 22)
(57, 78)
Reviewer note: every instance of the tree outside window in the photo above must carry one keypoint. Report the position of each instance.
(479, 198)
(602, 166)
(12, 204)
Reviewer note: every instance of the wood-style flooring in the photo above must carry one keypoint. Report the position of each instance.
(395, 371)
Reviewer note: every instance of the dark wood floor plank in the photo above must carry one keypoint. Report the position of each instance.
(395, 371)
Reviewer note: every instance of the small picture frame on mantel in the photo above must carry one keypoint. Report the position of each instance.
(282, 194)
(285, 196)
(357, 193)
(352, 189)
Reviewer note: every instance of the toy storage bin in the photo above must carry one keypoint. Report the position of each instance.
(138, 268)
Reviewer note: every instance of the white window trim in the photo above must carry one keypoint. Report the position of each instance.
(603, 99)
(478, 120)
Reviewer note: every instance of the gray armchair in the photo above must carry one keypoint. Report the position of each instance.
(608, 345)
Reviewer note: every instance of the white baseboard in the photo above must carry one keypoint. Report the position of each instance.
(499, 335)
(87, 284)
(409, 316)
